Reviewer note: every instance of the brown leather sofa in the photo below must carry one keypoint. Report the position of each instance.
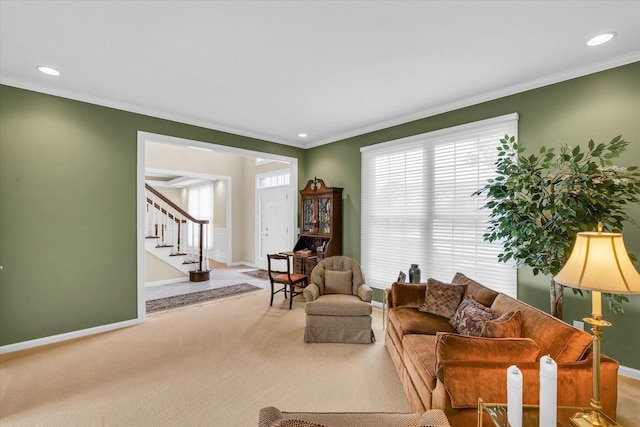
(441, 369)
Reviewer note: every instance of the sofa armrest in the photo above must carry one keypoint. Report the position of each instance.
(452, 347)
(365, 293)
(311, 292)
(465, 381)
(407, 294)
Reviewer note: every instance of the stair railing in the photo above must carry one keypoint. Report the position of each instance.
(170, 224)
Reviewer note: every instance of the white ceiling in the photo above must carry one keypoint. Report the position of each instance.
(331, 69)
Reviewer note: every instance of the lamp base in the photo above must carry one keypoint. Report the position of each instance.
(593, 418)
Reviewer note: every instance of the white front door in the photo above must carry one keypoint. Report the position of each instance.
(274, 221)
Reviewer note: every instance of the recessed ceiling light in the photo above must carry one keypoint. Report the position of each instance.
(601, 38)
(49, 70)
(302, 135)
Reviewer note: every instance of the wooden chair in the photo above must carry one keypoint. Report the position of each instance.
(284, 277)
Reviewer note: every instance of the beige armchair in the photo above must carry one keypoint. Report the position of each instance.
(338, 303)
(273, 417)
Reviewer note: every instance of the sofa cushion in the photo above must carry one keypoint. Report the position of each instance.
(408, 320)
(338, 305)
(420, 358)
(471, 317)
(509, 325)
(338, 282)
(561, 341)
(480, 293)
(442, 299)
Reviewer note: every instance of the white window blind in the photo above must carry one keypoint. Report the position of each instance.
(200, 206)
(418, 208)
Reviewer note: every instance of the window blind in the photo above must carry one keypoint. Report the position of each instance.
(418, 208)
(200, 206)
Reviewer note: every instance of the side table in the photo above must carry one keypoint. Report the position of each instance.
(497, 413)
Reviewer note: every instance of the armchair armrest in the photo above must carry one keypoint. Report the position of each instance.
(311, 292)
(365, 293)
(407, 294)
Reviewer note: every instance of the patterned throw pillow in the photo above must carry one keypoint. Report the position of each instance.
(442, 299)
(509, 325)
(471, 317)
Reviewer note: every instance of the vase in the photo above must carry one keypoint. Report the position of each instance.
(414, 274)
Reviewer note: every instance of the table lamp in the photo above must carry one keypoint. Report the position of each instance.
(599, 262)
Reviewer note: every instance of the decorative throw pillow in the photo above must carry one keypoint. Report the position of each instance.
(508, 325)
(338, 282)
(471, 317)
(442, 299)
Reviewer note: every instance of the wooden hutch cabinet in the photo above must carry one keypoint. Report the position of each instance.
(320, 225)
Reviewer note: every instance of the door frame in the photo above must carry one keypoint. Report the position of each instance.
(293, 214)
(142, 138)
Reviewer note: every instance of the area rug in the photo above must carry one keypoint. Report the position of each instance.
(198, 297)
(260, 274)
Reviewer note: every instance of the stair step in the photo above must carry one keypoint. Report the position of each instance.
(178, 254)
(151, 237)
(190, 262)
(164, 246)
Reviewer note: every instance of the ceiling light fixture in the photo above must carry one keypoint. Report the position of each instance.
(601, 38)
(302, 135)
(48, 70)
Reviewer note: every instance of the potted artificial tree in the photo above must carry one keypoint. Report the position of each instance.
(540, 202)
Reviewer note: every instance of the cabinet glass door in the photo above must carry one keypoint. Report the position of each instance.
(307, 215)
(324, 215)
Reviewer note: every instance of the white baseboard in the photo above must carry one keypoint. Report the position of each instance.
(166, 282)
(68, 336)
(629, 372)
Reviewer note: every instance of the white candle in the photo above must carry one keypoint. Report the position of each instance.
(514, 396)
(596, 303)
(548, 391)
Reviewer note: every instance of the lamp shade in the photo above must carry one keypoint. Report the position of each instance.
(600, 262)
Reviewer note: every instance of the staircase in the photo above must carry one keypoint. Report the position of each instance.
(176, 237)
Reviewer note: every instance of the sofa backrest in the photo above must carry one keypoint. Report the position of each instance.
(561, 341)
(480, 293)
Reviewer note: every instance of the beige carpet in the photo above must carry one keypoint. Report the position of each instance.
(213, 364)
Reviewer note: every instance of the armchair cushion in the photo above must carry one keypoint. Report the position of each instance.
(296, 423)
(338, 305)
(338, 282)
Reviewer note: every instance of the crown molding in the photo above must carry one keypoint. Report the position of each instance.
(488, 96)
(132, 108)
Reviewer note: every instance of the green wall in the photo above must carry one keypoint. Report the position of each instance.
(598, 106)
(68, 210)
(68, 196)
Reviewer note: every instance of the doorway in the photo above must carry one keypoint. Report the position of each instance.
(273, 213)
(240, 219)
